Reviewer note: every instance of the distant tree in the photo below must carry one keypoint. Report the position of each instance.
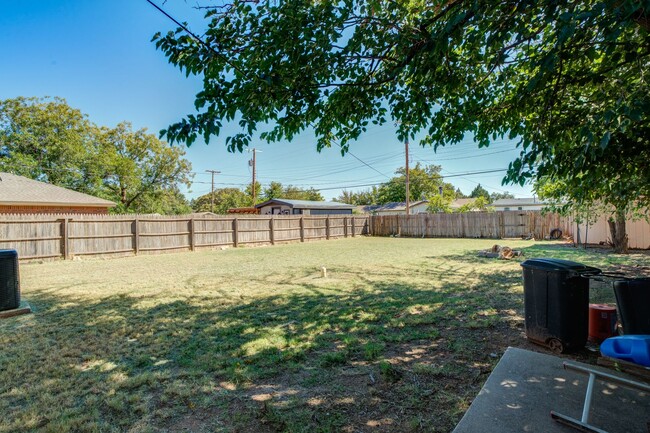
(480, 203)
(165, 202)
(459, 193)
(136, 167)
(290, 192)
(479, 191)
(295, 193)
(274, 190)
(499, 196)
(346, 197)
(47, 140)
(360, 198)
(224, 199)
(314, 195)
(439, 203)
(258, 192)
(424, 182)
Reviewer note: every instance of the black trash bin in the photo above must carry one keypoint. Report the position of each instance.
(9, 284)
(556, 303)
(633, 302)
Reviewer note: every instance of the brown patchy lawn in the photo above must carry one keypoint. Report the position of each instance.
(399, 337)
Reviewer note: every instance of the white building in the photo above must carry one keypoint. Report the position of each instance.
(528, 203)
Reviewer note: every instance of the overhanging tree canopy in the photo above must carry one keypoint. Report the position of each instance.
(567, 80)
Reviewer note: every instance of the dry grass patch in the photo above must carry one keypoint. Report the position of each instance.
(398, 338)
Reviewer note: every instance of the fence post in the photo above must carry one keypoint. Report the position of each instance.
(354, 228)
(136, 236)
(65, 251)
(192, 240)
(327, 227)
(302, 229)
(235, 232)
(345, 227)
(271, 230)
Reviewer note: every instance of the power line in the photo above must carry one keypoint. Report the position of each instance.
(444, 177)
(235, 67)
(212, 172)
(452, 174)
(199, 40)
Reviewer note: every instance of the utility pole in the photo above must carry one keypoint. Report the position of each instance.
(406, 143)
(253, 164)
(212, 190)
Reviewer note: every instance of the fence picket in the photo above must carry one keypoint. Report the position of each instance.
(66, 236)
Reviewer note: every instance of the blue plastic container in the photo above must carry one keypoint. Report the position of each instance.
(632, 348)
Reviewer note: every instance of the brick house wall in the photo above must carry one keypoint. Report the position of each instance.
(30, 209)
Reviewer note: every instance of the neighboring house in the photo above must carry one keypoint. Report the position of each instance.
(395, 208)
(280, 206)
(21, 195)
(529, 203)
(460, 202)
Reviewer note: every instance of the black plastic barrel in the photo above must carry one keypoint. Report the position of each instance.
(9, 283)
(556, 303)
(633, 302)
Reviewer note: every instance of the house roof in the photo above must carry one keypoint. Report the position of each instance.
(461, 202)
(392, 206)
(19, 190)
(306, 204)
(527, 201)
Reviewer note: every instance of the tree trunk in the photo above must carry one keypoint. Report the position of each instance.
(619, 235)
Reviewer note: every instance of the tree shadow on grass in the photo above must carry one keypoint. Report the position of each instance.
(388, 356)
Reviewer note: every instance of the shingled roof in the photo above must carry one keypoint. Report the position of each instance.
(19, 190)
(307, 204)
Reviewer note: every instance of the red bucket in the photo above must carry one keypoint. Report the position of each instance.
(602, 322)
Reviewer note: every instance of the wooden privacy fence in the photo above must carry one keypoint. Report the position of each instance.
(66, 236)
(507, 224)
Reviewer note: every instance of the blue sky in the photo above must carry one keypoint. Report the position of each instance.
(98, 56)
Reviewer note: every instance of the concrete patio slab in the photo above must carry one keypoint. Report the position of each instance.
(526, 386)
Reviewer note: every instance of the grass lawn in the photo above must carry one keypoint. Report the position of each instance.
(399, 337)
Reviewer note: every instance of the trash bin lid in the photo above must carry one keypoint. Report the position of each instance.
(557, 265)
(8, 253)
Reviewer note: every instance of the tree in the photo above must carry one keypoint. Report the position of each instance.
(565, 79)
(294, 193)
(480, 203)
(258, 192)
(224, 199)
(423, 182)
(499, 196)
(47, 140)
(439, 203)
(274, 190)
(589, 212)
(360, 198)
(479, 191)
(290, 192)
(165, 202)
(137, 167)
